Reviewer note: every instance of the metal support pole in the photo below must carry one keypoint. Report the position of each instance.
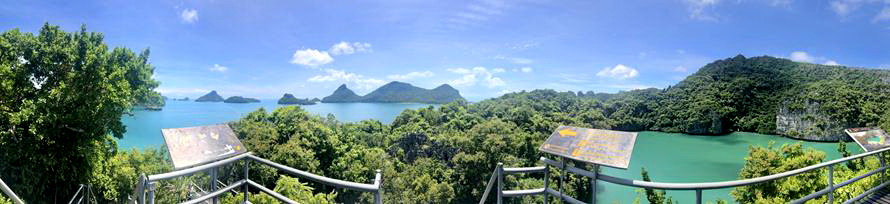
(830, 183)
(151, 192)
(378, 181)
(698, 196)
(213, 175)
(883, 174)
(562, 176)
(246, 188)
(546, 181)
(593, 184)
(500, 182)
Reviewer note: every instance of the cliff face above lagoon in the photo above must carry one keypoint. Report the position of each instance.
(396, 92)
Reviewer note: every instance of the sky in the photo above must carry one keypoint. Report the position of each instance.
(484, 48)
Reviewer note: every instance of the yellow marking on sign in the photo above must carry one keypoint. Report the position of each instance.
(575, 153)
(237, 147)
(567, 132)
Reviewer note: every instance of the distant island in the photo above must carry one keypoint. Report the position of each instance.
(210, 97)
(239, 99)
(396, 92)
(289, 99)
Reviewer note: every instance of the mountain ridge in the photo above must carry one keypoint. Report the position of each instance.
(396, 92)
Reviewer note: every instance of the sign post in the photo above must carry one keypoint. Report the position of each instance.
(594, 146)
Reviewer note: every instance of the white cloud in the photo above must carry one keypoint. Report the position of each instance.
(680, 69)
(311, 57)
(884, 15)
(698, 9)
(411, 75)
(831, 62)
(347, 48)
(801, 56)
(189, 15)
(526, 69)
(843, 7)
(619, 71)
(476, 75)
(784, 3)
(219, 68)
(358, 80)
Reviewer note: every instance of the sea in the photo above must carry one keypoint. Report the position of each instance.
(668, 157)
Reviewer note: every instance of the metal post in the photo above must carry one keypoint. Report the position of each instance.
(500, 182)
(562, 176)
(830, 183)
(213, 175)
(378, 181)
(593, 184)
(698, 196)
(151, 192)
(246, 188)
(546, 181)
(883, 174)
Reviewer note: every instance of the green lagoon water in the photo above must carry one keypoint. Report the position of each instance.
(668, 157)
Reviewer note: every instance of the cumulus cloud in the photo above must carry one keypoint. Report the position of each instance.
(347, 48)
(219, 68)
(358, 80)
(526, 69)
(189, 15)
(478, 75)
(831, 62)
(311, 57)
(801, 56)
(698, 9)
(619, 71)
(411, 75)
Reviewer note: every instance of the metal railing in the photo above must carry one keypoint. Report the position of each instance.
(9, 194)
(500, 171)
(145, 190)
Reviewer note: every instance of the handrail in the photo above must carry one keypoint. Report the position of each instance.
(697, 187)
(147, 182)
(9, 193)
(317, 178)
(196, 169)
(728, 184)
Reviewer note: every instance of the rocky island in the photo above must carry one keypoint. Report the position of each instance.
(210, 97)
(396, 92)
(239, 99)
(289, 99)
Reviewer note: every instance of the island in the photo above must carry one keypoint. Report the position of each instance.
(396, 92)
(239, 99)
(210, 97)
(289, 99)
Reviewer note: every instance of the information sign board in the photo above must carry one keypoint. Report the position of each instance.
(602, 147)
(193, 146)
(870, 139)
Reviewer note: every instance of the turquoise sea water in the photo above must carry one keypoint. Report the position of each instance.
(668, 157)
(144, 127)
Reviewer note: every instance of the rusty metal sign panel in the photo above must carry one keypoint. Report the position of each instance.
(602, 147)
(194, 146)
(870, 139)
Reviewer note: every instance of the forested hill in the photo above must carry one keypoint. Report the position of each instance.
(396, 92)
(760, 94)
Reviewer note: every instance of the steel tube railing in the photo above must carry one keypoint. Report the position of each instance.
(196, 169)
(697, 187)
(274, 194)
(9, 194)
(147, 184)
(321, 179)
(216, 193)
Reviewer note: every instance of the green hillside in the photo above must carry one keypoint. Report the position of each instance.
(210, 97)
(239, 99)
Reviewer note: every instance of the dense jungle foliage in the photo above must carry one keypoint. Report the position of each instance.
(63, 94)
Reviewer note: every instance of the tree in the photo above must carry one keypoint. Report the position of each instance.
(61, 98)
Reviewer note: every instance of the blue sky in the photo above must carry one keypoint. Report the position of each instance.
(483, 48)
